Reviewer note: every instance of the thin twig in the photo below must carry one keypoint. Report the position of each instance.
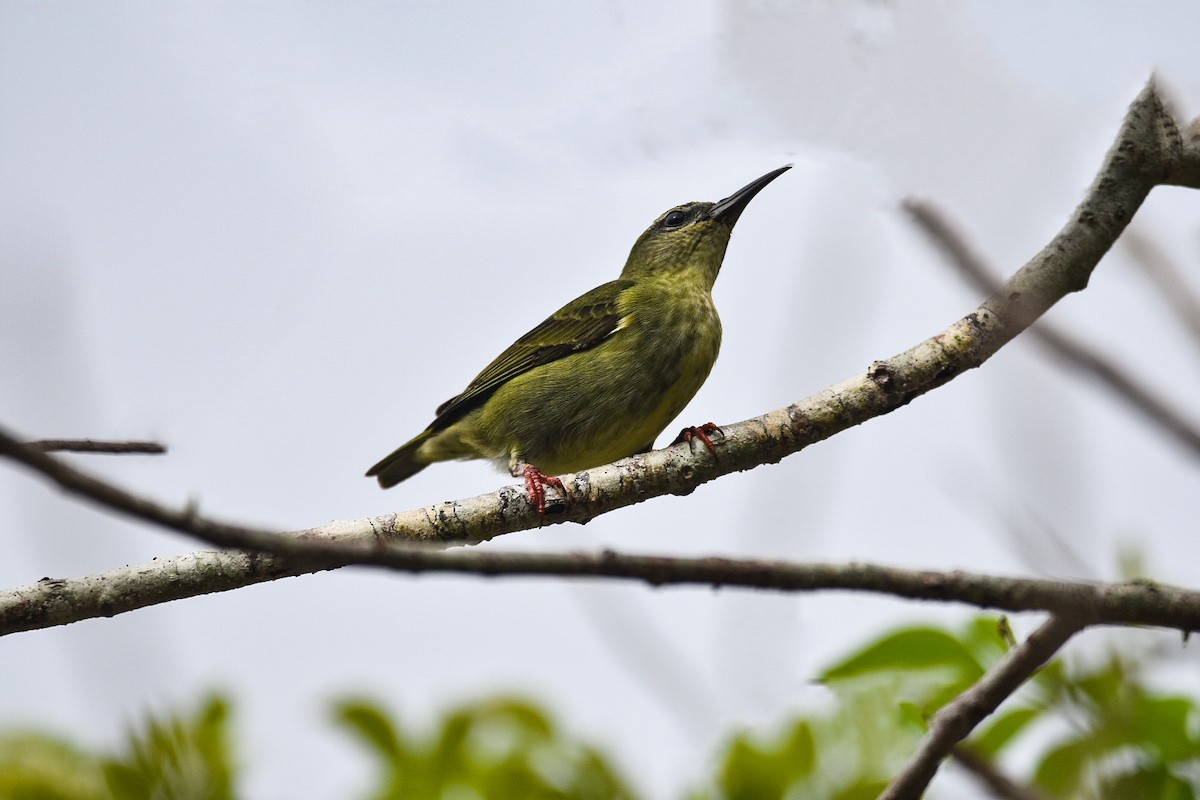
(108, 495)
(1000, 785)
(955, 721)
(1118, 380)
(96, 446)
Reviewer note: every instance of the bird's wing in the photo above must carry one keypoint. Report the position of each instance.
(582, 323)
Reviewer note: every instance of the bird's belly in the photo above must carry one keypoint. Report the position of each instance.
(601, 404)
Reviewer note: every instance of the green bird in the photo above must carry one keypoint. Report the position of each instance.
(603, 375)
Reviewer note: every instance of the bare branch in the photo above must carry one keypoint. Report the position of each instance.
(1136, 395)
(998, 784)
(1167, 278)
(955, 721)
(96, 446)
(53, 602)
(110, 496)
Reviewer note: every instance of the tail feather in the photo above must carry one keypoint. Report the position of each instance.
(402, 464)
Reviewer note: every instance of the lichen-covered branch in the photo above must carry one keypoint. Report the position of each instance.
(52, 602)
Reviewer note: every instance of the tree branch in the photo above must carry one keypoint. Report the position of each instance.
(1187, 170)
(96, 446)
(52, 602)
(998, 784)
(1148, 151)
(1117, 380)
(955, 721)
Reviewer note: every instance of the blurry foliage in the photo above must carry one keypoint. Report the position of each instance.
(36, 766)
(178, 758)
(1122, 739)
(492, 750)
(498, 748)
(1089, 732)
(1125, 739)
(883, 694)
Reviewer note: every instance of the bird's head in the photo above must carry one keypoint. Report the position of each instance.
(692, 237)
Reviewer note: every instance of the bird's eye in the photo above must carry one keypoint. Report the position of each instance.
(674, 219)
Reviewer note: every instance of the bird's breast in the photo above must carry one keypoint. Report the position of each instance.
(675, 339)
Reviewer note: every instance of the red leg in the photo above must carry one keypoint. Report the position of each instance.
(701, 432)
(536, 482)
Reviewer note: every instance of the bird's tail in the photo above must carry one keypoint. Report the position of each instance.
(402, 464)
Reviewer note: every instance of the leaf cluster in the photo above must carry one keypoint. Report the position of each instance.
(490, 750)
(1095, 731)
(1098, 731)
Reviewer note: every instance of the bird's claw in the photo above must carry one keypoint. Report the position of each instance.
(701, 432)
(536, 482)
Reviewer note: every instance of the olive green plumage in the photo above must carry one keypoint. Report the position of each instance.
(607, 372)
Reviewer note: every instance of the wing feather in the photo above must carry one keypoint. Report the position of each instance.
(582, 323)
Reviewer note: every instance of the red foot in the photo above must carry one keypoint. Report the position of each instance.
(536, 482)
(702, 433)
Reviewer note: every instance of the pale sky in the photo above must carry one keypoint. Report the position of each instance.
(276, 237)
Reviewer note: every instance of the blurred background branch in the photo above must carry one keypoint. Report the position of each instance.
(1167, 277)
(1000, 786)
(1137, 397)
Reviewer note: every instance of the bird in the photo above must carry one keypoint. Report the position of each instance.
(604, 375)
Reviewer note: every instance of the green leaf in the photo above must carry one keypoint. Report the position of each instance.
(800, 751)
(1163, 723)
(1003, 728)
(371, 725)
(989, 637)
(1049, 683)
(912, 715)
(177, 757)
(493, 749)
(1156, 782)
(861, 790)
(125, 781)
(751, 774)
(768, 769)
(1105, 687)
(911, 649)
(1062, 770)
(36, 766)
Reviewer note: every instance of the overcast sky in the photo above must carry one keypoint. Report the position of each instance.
(277, 236)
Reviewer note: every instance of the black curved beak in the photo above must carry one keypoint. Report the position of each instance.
(729, 209)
